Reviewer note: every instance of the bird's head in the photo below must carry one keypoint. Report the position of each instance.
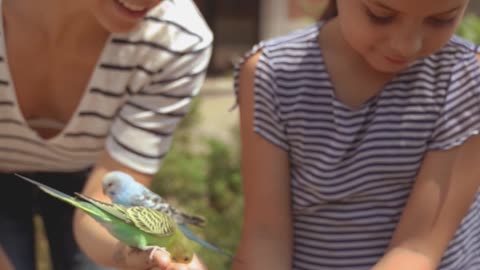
(115, 182)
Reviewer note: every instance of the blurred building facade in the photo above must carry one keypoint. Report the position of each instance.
(238, 24)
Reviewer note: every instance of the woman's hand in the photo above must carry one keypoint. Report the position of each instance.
(195, 264)
(101, 246)
(127, 258)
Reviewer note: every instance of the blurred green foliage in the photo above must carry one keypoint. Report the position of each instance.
(470, 28)
(201, 176)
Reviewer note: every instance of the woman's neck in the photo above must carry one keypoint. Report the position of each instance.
(55, 19)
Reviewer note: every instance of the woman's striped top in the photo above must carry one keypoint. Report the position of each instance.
(352, 170)
(141, 87)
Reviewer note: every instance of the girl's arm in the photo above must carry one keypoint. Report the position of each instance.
(266, 241)
(97, 243)
(445, 188)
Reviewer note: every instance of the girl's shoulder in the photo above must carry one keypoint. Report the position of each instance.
(456, 50)
(301, 40)
(457, 58)
(462, 45)
(290, 50)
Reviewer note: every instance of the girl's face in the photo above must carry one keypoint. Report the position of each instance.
(391, 34)
(119, 16)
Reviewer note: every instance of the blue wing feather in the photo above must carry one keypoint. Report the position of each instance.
(190, 235)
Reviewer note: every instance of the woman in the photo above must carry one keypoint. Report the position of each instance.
(97, 84)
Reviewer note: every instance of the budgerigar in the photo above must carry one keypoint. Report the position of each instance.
(123, 189)
(138, 227)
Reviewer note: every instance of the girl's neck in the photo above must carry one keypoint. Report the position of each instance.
(55, 19)
(332, 41)
(354, 80)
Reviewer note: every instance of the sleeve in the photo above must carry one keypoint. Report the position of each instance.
(460, 115)
(267, 121)
(142, 132)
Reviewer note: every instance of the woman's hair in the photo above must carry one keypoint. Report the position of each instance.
(330, 10)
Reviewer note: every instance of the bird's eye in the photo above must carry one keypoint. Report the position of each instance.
(186, 259)
(110, 184)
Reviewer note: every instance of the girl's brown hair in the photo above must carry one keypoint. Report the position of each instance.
(330, 10)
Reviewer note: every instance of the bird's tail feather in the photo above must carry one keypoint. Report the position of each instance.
(190, 235)
(85, 206)
(193, 220)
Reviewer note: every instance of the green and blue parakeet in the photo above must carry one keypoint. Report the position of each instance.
(138, 227)
(123, 189)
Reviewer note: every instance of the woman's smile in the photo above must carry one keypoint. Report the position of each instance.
(133, 11)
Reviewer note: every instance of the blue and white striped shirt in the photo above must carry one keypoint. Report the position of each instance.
(352, 169)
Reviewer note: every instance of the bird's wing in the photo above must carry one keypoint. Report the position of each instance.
(115, 210)
(149, 199)
(151, 221)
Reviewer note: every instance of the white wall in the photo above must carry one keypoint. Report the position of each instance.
(273, 18)
(275, 21)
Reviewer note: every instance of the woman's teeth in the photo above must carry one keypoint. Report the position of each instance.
(131, 6)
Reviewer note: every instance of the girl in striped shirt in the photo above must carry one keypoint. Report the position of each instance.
(359, 142)
(86, 84)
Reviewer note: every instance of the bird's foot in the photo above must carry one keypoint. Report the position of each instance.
(153, 249)
(150, 257)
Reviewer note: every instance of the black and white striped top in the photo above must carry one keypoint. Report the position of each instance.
(352, 170)
(141, 87)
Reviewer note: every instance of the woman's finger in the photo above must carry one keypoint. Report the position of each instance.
(161, 259)
(134, 259)
(139, 260)
(194, 265)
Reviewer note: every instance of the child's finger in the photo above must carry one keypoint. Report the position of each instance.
(137, 259)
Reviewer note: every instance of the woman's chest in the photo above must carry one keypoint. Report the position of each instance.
(49, 71)
(49, 84)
